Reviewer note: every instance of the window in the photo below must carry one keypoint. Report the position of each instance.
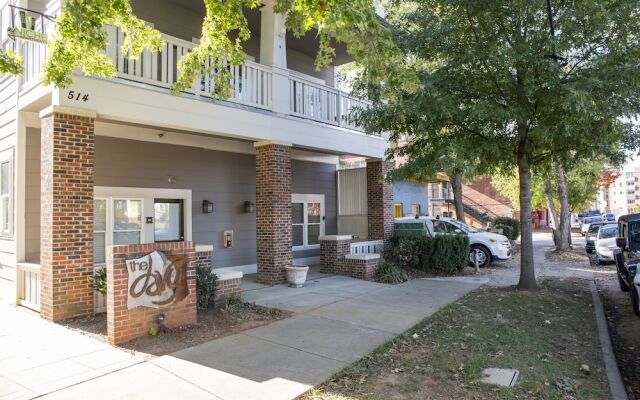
(168, 220)
(99, 230)
(398, 210)
(415, 209)
(442, 227)
(127, 221)
(115, 222)
(6, 193)
(307, 217)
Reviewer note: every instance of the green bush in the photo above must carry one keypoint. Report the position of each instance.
(441, 255)
(206, 284)
(512, 223)
(388, 272)
(100, 281)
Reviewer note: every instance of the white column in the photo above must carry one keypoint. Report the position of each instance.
(273, 52)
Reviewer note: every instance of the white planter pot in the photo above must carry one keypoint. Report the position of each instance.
(297, 275)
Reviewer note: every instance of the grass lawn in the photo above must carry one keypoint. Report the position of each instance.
(548, 335)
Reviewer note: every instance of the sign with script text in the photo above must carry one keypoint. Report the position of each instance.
(156, 280)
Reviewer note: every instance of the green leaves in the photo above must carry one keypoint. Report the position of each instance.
(10, 63)
(218, 44)
(80, 39)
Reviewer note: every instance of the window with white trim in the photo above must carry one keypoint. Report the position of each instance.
(6, 193)
(307, 217)
(116, 221)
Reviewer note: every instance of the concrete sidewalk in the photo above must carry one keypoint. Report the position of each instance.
(337, 321)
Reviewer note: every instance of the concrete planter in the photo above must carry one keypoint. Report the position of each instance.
(297, 275)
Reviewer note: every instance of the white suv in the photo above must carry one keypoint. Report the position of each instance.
(486, 246)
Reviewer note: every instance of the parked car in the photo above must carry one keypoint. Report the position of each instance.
(486, 246)
(610, 216)
(605, 243)
(586, 223)
(627, 257)
(590, 213)
(575, 222)
(592, 234)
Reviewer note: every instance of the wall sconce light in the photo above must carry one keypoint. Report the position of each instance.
(207, 207)
(249, 207)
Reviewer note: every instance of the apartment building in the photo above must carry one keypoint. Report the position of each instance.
(623, 196)
(250, 179)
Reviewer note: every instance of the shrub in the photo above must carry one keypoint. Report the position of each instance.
(206, 284)
(514, 226)
(441, 255)
(388, 272)
(100, 281)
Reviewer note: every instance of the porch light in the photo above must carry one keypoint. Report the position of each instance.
(207, 207)
(249, 207)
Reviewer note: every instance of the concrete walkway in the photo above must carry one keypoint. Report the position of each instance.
(337, 320)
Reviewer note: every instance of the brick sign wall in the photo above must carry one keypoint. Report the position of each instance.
(125, 323)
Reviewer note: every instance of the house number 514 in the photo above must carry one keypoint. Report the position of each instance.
(77, 96)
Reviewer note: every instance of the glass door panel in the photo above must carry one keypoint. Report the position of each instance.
(168, 220)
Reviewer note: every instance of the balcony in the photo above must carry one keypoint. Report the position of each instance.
(253, 84)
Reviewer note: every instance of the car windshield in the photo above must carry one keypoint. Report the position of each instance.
(608, 231)
(594, 228)
(462, 226)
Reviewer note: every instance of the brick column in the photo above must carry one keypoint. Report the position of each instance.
(380, 216)
(66, 222)
(333, 249)
(273, 211)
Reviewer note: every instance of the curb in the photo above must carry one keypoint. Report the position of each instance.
(618, 389)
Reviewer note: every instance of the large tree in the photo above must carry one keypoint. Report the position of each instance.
(519, 80)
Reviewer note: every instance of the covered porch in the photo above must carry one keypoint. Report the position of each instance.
(250, 207)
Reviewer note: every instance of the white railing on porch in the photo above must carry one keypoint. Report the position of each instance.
(251, 82)
(368, 247)
(323, 103)
(28, 285)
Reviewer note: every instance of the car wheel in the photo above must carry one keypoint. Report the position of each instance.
(618, 258)
(634, 299)
(483, 254)
(589, 251)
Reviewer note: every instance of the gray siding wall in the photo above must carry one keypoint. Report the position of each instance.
(32, 196)
(226, 179)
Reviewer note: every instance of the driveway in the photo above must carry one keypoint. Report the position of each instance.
(337, 320)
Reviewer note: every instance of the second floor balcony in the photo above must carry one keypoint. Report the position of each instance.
(254, 85)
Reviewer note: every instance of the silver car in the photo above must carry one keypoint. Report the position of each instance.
(605, 243)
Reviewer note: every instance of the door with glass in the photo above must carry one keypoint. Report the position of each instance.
(168, 220)
(307, 216)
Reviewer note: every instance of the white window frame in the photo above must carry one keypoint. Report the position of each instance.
(110, 222)
(8, 157)
(305, 199)
(147, 196)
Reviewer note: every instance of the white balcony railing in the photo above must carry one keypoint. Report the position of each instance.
(323, 103)
(252, 83)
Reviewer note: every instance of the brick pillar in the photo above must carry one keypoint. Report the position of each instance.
(273, 211)
(333, 249)
(380, 216)
(66, 222)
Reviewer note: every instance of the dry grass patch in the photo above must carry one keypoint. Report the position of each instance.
(547, 335)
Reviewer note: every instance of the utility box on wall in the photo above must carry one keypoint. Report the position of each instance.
(227, 238)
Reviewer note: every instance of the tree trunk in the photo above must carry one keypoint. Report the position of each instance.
(548, 192)
(564, 235)
(527, 266)
(456, 186)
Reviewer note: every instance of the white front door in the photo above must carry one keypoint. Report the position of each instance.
(307, 214)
